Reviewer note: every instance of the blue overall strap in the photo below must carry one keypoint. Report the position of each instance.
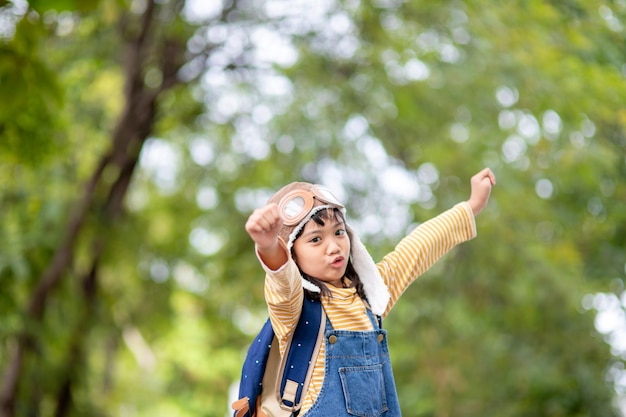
(299, 359)
(254, 367)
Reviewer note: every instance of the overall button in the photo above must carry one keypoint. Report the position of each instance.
(332, 339)
(380, 337)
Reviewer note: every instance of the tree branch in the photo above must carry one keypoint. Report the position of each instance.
(133, 128)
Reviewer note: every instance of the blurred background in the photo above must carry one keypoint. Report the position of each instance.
(136, 136)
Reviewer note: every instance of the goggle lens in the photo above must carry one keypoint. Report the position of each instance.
(326, 196)
(297, 204)
(294, 207)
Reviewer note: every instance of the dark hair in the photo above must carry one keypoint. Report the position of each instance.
(351, 273)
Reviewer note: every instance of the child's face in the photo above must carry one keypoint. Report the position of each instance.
(322, 251)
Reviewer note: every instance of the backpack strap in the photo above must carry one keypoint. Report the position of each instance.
(296, 366)
(302, 350)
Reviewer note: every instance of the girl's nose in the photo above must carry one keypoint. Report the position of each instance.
(333, 247)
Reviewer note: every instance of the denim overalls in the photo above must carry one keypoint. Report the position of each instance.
(358, 380)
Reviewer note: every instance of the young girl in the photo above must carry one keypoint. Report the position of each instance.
(303, 241)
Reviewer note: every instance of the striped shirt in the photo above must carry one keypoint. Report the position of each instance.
(346, 311)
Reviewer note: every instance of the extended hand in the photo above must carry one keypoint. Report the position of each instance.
(263, 225)
(481, 189)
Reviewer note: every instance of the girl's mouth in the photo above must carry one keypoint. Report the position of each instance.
(337, 262)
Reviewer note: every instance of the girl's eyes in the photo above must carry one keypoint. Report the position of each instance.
(338, 232)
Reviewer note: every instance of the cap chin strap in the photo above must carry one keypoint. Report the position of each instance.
(308, 285)
(374, 287)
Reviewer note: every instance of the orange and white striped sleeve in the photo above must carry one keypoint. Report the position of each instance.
(418, 251)
(284, 297)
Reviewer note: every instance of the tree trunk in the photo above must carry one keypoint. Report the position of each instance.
(133, 128)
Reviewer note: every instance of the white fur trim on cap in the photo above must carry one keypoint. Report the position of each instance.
(374, 287)
(300, 226)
